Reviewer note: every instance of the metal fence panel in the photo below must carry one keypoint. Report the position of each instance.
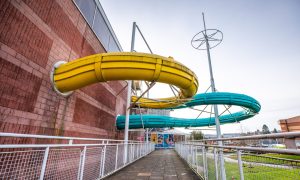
(93, 159)
(110, 159)
(21, 164)
(240, 162)
(63, 163)
(66, 161)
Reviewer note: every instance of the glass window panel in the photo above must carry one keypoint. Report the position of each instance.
(87, 7)
(113, 47)
(99, 26)
(101, 29)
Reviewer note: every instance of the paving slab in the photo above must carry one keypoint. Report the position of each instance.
(162, 164)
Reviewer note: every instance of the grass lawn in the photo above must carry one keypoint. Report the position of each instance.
(285, 156)
(261, 172)
(271, 159)
(255, 172)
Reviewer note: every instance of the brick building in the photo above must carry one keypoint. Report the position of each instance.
(290, 124)
(34, 34)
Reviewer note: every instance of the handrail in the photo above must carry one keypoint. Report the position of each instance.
(264, 136)
(5, 146)
(56, 137)
(270, 157)
(270, 150)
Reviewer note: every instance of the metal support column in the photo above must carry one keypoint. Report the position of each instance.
(128, 99)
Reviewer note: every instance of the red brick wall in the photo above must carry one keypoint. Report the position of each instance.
(20, 34)
(18, 88)
(101, 119)
(34, 34)
(101, 93)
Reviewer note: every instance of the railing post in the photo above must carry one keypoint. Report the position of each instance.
(197, 165)
(192, 153)
(179, 149)
(184, 151)
(79, 166)
(139, 150)
(204, 163)
(148, 148)
(195, 155)
(125, 159)
(222, 164)
(136, 148)
(216, 164)
(129, 153)
(70, 141)
(103, 162)
(142, 150)
(102, 167)
(132, 152)
(188, 152)
(240, 163)
(44, 163)
(117, 152)
(82, 163)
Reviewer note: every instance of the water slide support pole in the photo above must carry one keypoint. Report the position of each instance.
(217, 121)
(128, 98)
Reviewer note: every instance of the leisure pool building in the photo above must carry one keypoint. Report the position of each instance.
(33, 36)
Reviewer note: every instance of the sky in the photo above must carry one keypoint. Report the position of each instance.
(259, 55)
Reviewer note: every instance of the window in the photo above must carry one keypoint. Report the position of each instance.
(88, 9)
(94, 15)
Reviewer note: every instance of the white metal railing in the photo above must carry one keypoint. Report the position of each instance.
(69, 160)
(241, 162)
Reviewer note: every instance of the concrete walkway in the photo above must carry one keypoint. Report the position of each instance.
(160, 164)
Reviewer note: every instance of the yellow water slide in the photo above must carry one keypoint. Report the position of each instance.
(128, 66)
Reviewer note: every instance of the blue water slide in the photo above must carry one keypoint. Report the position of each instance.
(249, 105)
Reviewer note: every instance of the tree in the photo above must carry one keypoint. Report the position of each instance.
(275, 130)
(197, 135)
(257, 131)
(265, 129)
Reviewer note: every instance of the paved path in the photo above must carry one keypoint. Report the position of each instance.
(159, 165)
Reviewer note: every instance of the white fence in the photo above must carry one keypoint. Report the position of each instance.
(69, 160)
(241, 162)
